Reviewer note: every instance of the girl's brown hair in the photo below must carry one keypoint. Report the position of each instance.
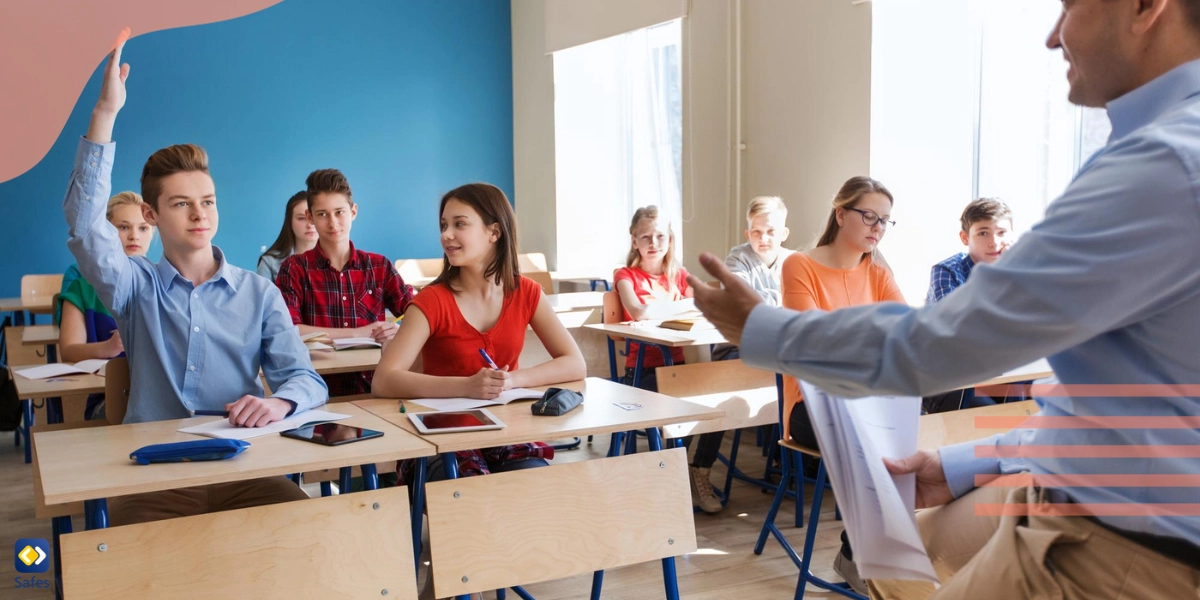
(286, 242)
(634, 259)
(493, 207)
(848, 197)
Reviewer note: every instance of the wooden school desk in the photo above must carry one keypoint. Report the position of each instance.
(330, 362)
(92, 464)
(40, 335)
(597, 415)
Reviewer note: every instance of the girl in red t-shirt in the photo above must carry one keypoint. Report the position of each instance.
(651, 274)
(480, 301)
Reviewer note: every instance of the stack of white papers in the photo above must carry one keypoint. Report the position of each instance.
(317, 340)
(452, 404)
(220, 427)
(877, 507)
(84, 367)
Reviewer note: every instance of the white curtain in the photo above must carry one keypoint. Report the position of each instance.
(618, 142)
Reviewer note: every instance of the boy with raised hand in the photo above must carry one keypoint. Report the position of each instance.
(196, 329)
(336, 288)
(986, 226)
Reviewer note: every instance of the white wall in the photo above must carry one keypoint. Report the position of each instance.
(806, 105)
(533, 131)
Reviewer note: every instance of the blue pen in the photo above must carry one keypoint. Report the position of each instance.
(487, 359)
(210, 413)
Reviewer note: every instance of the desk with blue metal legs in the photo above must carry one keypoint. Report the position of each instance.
(92, 464)
(599, 414)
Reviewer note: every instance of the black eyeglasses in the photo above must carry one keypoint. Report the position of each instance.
(870, 219)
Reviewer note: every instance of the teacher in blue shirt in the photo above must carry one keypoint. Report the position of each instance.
(1108, 288)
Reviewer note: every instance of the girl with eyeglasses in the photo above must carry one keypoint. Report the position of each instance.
(844, 269)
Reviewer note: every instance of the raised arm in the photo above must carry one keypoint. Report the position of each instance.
(93, 241)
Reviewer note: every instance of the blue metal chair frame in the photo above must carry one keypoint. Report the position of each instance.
(790, 463)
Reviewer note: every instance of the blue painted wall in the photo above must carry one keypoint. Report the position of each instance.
(409, 98)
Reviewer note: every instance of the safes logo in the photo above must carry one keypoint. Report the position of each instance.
(32, 555)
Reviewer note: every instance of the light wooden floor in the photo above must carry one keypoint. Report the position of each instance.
(725, 565)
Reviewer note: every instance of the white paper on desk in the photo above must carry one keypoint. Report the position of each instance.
(877, 508)
(452, 404)
(83, 367)
(348, 343)
(662, 310)
(221, 428)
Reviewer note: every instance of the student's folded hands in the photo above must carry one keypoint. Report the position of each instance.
(252, 411)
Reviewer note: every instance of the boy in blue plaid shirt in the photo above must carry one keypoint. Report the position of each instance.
(986, 225)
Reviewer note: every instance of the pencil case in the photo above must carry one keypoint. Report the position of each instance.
(214, 449)
(556, 402)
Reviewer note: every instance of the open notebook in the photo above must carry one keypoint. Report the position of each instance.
(451, 404)
(84, 367)
(877, 507)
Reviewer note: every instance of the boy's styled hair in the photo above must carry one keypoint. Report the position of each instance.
(327, 181)
(493, 208)
(984, 209)
(125, 198)
(765, 205)
(168, 161)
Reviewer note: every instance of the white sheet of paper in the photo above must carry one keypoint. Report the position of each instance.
(877, 508)
(83, 367)
(659, 311)
(346, 343)
(221, 427)
(452, 404)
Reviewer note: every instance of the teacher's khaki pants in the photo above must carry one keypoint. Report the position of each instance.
(1018, 557)
(186, 502)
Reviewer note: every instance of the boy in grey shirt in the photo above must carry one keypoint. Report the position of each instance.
(758, 261)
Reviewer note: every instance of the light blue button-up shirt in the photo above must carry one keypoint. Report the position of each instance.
(189, 347)
(1107, 287)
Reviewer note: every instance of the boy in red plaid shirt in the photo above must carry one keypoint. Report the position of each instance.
(336, 288)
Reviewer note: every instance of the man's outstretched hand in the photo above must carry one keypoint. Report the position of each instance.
(729, 307)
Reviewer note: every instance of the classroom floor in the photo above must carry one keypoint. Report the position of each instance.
(724, 566)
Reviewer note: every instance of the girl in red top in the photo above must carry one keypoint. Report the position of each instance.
(479, 301)
(652, 273)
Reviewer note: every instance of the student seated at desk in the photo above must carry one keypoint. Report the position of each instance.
(652, 273)
(844, 269)
(87, 329)
(986, 226)
(479, 302)
(336, 288)
(196, 329)
(759, 261)
(297, 236)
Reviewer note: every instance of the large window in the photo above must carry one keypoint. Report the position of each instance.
(618, 142)
(967, 101)
(1031, 141)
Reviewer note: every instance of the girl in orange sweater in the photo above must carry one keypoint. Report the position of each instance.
(844, 269)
